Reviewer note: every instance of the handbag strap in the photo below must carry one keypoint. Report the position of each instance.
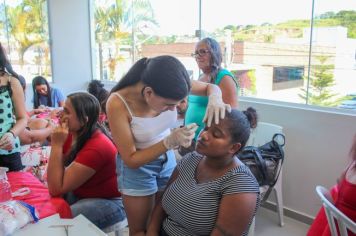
(261, 164)
(281, 151)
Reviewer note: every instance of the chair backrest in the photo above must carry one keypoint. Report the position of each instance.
(334, 214)
(263, 133)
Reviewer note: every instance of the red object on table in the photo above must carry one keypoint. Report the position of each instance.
(39, 196)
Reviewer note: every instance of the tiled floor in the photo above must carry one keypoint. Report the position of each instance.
(267, 225)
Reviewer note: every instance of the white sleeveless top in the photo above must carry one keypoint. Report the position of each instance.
(151, 130)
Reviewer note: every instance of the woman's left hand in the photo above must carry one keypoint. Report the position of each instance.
(60, 134)
(215, 110)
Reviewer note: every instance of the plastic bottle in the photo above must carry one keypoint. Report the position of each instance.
(5, 188)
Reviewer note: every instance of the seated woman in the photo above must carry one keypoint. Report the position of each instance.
(45, 95)
(344, 197)
(211, 192)
(83, 162)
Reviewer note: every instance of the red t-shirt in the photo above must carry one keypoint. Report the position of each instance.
(98, 153)
(345, 200)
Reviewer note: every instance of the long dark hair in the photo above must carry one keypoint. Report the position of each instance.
(215, 56)
(87, 109)
(166, 75)
(240, 124)
(353, 151)
(6, 67)
(40, 80)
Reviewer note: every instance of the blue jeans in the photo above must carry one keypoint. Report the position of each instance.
(147, 179)
(101, 212)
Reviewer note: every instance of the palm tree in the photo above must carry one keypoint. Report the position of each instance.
(116, 22)
(26, 25)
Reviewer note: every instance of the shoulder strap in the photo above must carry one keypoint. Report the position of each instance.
(9, 84)
(124, 101)
(222, 73)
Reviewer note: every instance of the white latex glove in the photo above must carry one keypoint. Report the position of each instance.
(216, 109)
(7, 141)
(180, 137)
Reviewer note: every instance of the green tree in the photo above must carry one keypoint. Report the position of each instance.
(108, 28)
(26, 25)
(117, 23)
(321, 81)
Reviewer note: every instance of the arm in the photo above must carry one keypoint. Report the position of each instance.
(60, 97)
(38, 135)
(158, 214)
(204, 89)
(119, 122)
(61, 103)
(36, 111)
(228, 90)
(235, 213)
(60, 179)
(18, 100)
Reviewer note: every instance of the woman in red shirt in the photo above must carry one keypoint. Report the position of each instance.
(344, 197)
(83, 163)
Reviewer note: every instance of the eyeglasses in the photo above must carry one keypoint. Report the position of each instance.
(200, 52)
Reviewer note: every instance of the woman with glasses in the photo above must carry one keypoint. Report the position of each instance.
(209, 57)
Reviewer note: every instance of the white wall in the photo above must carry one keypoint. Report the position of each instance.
(316, 152)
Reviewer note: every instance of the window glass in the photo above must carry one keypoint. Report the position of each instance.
(268, 48)
(128, 30)
(332, 80)
(24, 36)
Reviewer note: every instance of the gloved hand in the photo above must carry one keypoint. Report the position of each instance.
(7, 141)
(180, 137)
(216, 109)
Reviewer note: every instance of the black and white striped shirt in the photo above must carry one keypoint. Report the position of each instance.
(192, 207)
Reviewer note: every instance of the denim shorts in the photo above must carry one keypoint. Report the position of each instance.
(148, 179)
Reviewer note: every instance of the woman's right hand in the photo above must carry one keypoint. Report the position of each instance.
(180, 137)
(59, 134)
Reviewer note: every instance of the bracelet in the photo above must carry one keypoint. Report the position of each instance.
(12, 133)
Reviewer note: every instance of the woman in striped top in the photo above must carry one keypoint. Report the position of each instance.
(211, 192)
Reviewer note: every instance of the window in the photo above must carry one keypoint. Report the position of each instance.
(274, 52)
(128, 30)
(274, 44)
(287, 77)
(24, 36)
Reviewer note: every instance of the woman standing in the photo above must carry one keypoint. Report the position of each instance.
(208, 57)
(141, 110)
(44, 95)
(82, 163)
(12, 117)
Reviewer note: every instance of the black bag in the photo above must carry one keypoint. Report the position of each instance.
(264, 161)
